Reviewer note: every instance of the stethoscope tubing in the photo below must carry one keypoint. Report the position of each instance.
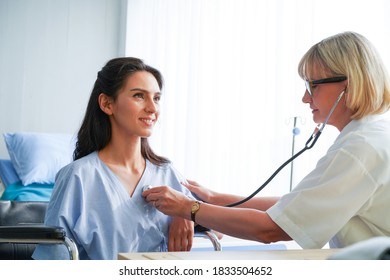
(308, 145)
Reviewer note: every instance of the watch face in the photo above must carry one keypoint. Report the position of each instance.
(194, 207)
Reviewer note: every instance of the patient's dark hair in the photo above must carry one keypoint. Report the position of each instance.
(95, 130)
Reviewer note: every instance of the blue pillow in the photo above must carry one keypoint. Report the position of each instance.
(7, 172)
(32, 192)
(37, 157)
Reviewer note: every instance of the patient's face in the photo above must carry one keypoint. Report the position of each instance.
(136, 109)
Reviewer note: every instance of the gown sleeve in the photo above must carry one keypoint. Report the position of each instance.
(64, 210)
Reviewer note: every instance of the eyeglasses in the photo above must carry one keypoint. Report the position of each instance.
(310, 84)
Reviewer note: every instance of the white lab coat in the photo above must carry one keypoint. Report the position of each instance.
(346, 198)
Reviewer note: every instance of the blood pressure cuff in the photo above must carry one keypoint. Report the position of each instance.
(376, 248)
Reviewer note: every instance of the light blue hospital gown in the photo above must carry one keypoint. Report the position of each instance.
(90, 202)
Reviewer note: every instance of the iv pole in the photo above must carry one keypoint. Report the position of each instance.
(295, 132)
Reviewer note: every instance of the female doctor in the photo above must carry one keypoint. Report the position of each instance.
(345, 199)
(97, 198)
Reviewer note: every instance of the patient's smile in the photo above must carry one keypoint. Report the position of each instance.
(148, 121)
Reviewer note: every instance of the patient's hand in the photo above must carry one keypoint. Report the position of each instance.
(181, 235)
(201, 192)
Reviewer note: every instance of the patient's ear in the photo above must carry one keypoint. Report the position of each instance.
(105, 103)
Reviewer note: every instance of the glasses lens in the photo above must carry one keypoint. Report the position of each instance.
(308, 88)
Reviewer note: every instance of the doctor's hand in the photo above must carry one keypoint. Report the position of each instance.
(201, 192)
(181, 235)
(169, 201)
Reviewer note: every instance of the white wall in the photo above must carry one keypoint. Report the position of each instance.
(50, 52)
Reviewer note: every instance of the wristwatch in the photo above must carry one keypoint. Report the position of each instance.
(194, 209)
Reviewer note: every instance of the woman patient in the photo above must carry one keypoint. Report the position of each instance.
(97, 198)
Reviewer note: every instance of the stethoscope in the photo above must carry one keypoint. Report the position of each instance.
(309, 144)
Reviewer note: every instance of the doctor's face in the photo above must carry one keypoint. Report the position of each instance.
(136, 108)
(322, 98)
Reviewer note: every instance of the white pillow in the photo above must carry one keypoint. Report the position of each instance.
(37, 157)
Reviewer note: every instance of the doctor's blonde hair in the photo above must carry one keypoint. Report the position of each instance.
(352, 55)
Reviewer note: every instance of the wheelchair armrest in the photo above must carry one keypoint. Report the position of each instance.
(36, 234)
(31, 233)
(208, 234)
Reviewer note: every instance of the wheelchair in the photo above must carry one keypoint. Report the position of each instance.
(21, 228)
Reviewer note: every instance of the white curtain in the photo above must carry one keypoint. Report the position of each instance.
(232, 91)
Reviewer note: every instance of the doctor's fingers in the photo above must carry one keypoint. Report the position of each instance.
(167, 196)
(153, 195)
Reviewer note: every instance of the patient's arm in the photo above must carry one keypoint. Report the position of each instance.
(181, 234)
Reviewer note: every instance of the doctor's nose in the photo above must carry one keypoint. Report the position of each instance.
(306, 98)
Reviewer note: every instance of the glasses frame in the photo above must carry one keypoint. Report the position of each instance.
(309, 84)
